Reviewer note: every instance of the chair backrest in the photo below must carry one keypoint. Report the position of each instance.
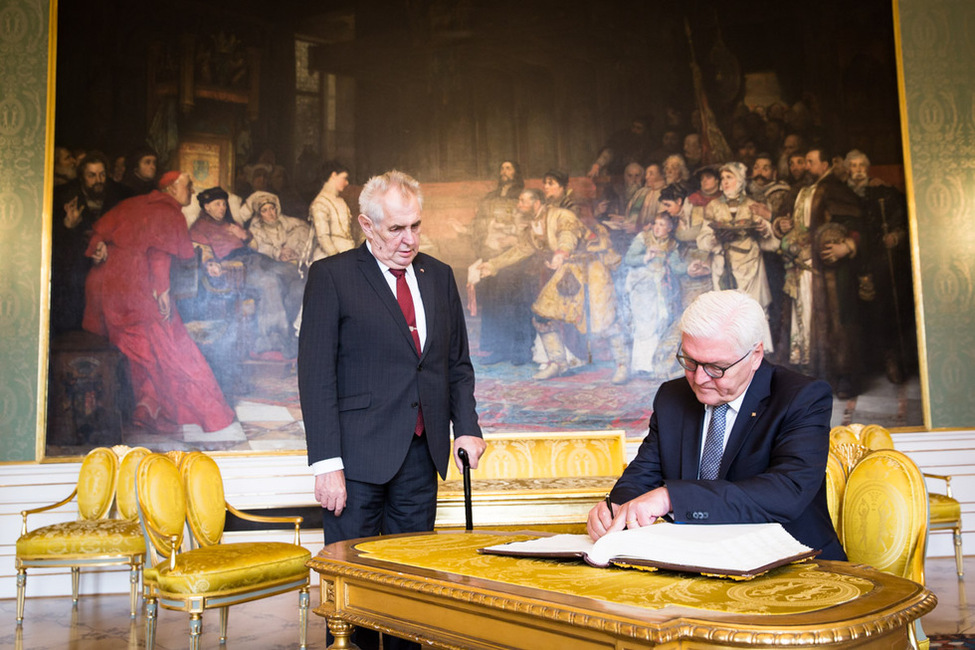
(885, 514)
(97, 480)
(835, 486)
(848, 453)
(162, 502)
(842, 434)
(125, 499)
(549, 455)
(206, 509)
(874, 436)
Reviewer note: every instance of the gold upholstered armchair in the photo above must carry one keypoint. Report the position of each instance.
(210, 575)
(94, 539)
(885, 516)
(944, 510)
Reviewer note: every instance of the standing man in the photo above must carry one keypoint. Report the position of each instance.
(886, 287)
(824, 252)
(383, 372)
(128, 301)
(771, 465)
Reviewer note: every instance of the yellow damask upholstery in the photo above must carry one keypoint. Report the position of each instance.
(944, 510)
(874, 436)
(537, 480)
(212, 575)
(885, 514)
(885, 517)
(92, 539)
(840, 434)
(835, 486)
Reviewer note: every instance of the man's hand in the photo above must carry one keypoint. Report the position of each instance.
(165, 307)
(330, 491)
(237, 232)
(641, 511)
(475, 447)
(558, 258)
(72, 213)
(833, 253)
(101, 253)
(600, 519)
(288, 254)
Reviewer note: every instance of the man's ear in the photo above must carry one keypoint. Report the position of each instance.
(366, 224)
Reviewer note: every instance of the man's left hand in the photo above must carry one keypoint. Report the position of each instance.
(475, 447)
(832, 253)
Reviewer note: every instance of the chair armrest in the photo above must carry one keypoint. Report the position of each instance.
(268, 520)
(941, 477)
(24, 513)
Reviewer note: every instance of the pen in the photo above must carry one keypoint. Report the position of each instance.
(609, 504)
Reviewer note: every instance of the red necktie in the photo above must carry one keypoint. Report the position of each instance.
(405, 300)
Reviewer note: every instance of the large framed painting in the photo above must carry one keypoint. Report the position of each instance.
(688, 143)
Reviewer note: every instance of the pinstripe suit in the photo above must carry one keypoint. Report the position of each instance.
(360, 377)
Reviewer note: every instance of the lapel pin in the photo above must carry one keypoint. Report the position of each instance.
(422, 270)
(753, 413)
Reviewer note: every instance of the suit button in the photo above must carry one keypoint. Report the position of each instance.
(414, 404)
(419, 367)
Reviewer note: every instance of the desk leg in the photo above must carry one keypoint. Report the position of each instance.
(342, 632)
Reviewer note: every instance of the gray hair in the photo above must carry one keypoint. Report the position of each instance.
(728, 316)
(376, 188)
(685, 173)
(855, 154)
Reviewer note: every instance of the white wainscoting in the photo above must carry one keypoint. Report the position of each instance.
(265, 481)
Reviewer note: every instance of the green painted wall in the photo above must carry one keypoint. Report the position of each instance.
(938, 39)
(23, 101)
(938, 44)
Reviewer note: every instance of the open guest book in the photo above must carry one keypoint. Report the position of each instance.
(739, 551)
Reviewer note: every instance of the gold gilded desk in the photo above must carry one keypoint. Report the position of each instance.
(435, 588)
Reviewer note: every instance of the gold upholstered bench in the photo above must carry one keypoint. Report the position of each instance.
(536, 480)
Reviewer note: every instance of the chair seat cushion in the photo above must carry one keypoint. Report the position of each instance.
(88, 537)
(226, 567)
(943, 508)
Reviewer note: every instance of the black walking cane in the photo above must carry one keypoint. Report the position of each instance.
(468, 507)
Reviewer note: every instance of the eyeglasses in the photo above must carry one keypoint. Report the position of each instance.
(712, 370)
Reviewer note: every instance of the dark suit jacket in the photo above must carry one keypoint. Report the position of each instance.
(773, 468)
(360, 378)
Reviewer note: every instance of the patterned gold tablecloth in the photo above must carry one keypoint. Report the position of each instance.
(794, 589)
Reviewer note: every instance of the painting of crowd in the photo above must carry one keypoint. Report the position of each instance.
(187, 283)
(806, 230)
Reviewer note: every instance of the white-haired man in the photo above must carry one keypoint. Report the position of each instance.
(383, 372)
(738, 440)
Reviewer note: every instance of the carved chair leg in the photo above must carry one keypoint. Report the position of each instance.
(959, 558)
(133, 589)
(151, 607)
(342, 631)
(196, 630)
(224, 618)
(303, 602)
(21, 594)
(75, 582)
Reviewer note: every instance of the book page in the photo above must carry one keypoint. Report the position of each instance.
(557, 545)
(722, 547)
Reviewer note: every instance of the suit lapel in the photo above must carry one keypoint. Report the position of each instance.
(370, 270)
(428, 294)
(693, 421)
(752, 407)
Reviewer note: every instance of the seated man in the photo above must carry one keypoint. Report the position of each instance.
(771, 467)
